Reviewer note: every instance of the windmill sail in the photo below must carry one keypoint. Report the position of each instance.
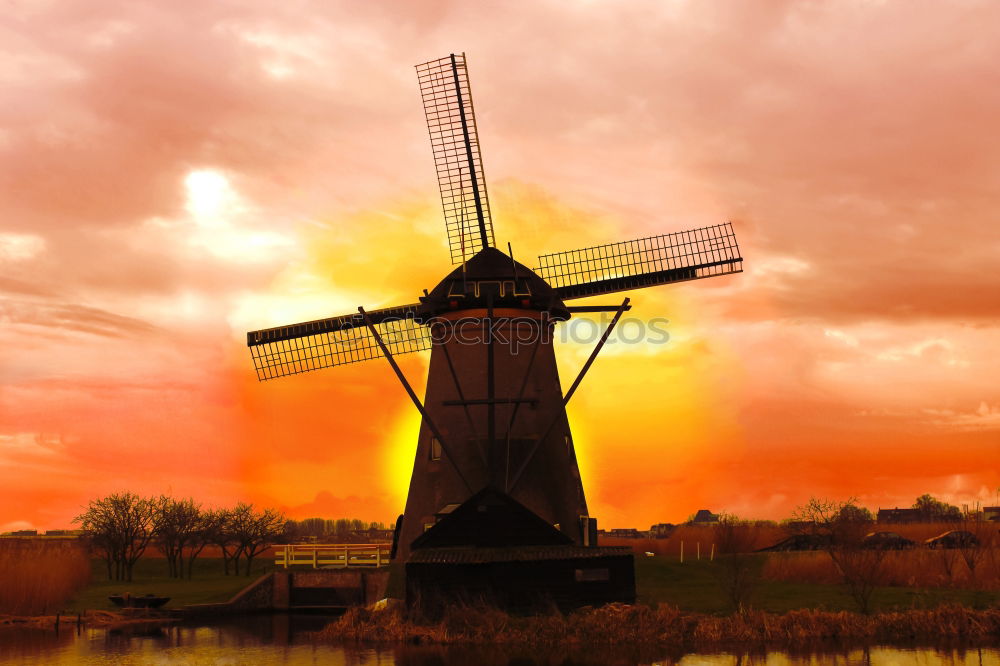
(451, 123)
(644, 262)
(324, 343)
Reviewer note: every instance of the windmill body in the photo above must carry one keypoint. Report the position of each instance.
(493, 389)
(495, 468)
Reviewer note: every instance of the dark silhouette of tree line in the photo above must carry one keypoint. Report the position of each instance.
(340, 530)
(122, 526)
(932, 510)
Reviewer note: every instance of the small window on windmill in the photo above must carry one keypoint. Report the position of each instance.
(435, 449)
(569, 447)
(487, 288)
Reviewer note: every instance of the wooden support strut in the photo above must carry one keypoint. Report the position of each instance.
(416, 401)
(569, 394)
(465, 405)
(517, 403)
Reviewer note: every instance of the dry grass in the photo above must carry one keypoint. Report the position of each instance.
(664, 626)
(919, 567)
(38, 575)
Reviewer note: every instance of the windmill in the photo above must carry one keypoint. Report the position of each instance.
(494, 427)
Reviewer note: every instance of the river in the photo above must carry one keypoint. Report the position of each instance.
(283, 639)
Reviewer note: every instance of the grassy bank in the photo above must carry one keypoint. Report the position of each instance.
(663, 627)
(46, 577)
(694, 586)
(208, 584)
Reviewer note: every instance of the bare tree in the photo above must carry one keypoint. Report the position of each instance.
(98, 525)
(122, 526)
(947, 558)
(841, 528)
(138, 517)
(203, 535)
(738, 568)
(255, 531)
(179, 521)
(974, 550)
(221, 533)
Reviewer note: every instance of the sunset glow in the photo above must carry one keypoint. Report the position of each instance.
(174, 176)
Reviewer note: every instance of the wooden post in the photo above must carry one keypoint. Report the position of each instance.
(314, 557)
(682, 552)
(712, 557)
(698, 557)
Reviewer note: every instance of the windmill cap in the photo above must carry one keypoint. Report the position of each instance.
(491, 274)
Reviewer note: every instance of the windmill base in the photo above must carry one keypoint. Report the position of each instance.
(520, 578)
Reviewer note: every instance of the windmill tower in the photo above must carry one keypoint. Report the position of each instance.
(494, 431)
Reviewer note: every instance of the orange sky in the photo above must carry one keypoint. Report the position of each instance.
(170, 178)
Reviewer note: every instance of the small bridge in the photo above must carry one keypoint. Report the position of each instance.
(332, 555)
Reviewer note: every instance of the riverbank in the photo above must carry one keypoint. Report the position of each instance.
(692, 586)
(208, 584)
(695, 586)
(664, 627)
(92, 618)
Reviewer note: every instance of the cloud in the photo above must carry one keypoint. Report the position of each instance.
(984, 417)
(20, 247)
(174, 175)
(29, 445)
(72, 317)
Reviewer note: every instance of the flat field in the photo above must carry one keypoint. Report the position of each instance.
(208, 584)
(695, 586)
(47, 575)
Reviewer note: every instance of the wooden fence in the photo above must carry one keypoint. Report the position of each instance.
(332, 555)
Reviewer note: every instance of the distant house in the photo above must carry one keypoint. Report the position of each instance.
(991, 513)
(661, 530)
(704, 517)
(899, 516)
(376, 535)
(625, 533)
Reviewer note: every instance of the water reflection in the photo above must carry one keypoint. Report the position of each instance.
(284, 639)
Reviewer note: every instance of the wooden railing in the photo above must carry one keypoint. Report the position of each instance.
(333, 555)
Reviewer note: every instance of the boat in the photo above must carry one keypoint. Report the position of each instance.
(130, 601)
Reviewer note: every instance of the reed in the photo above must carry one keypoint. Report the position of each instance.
(37, 576)
(663, 626)
(919, 568)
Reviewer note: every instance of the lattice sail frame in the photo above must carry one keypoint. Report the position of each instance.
(451, 124)
(325, 343)
(644, 262)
